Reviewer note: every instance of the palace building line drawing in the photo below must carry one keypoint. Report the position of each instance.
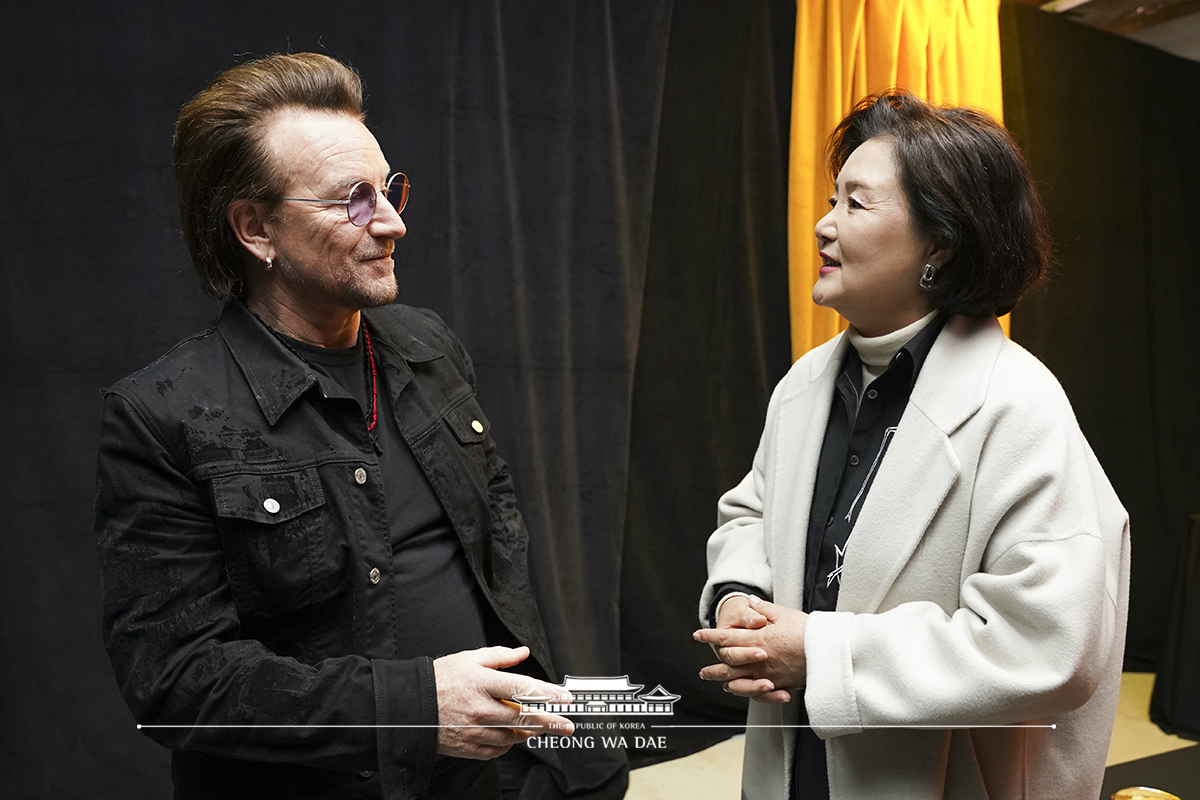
(601, 696)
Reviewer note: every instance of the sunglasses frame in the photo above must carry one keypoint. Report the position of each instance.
(371, 201)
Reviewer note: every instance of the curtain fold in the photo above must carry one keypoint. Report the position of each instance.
(945, 51)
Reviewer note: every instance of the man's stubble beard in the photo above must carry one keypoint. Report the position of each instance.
(347, 290)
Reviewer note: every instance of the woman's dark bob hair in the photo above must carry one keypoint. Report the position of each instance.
(220, 155)
(968, 189)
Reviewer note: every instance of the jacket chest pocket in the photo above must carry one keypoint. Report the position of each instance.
(275, 530)
(470, 428)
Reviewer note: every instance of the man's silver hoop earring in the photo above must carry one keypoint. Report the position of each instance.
(269, 265)
(926, 277)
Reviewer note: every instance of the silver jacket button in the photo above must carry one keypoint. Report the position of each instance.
(360, 476)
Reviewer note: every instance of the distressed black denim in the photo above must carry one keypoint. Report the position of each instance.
(240, 515)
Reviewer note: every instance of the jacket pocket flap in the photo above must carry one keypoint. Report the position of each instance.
(468, 422)
(270, 498)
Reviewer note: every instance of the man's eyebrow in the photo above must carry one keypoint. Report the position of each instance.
(339, 186)
(346, 183)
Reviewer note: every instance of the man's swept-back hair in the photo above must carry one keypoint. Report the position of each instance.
(968, 189)
(220, 155)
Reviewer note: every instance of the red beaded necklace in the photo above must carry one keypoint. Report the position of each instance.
(374, 378)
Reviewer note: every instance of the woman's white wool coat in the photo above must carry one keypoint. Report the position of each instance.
(985, 584)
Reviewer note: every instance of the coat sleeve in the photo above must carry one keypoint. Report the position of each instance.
(175, 641)
(737, 549)
(1037, 618)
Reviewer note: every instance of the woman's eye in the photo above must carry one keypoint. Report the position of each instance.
(833, 202)
(853, 203)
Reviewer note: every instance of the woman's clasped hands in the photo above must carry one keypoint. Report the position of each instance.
(761, 647)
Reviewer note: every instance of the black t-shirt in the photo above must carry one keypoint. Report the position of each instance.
(442, 609)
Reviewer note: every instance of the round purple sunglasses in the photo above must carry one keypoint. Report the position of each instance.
(360, 203)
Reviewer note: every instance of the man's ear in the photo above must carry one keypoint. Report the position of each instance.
(248, 220)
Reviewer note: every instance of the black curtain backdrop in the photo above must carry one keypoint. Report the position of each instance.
(1111, 129)
(714, 337)
(598, 210)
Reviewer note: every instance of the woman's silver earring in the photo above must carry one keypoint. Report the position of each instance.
(926, 277)
(269, 265)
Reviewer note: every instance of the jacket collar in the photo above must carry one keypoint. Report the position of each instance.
(826, 361)
(276, 375)
(394, 337)
(952, 382)
(954, 379)
(396, 348)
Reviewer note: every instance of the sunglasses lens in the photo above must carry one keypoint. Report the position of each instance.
(362, 204)
(397, 191)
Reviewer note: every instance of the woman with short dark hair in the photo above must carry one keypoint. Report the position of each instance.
(968, 188)
(923, 579)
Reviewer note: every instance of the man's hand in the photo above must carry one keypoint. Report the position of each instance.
(761, 647)
(472, 694)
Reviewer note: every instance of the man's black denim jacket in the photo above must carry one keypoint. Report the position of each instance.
(240, 514)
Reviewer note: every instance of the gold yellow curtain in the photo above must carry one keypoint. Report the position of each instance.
(946, 51)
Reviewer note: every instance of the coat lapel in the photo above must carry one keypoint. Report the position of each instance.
(913, 480)
(796, 449)
(921, 466)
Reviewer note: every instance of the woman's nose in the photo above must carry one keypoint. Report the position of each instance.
(825, 230)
